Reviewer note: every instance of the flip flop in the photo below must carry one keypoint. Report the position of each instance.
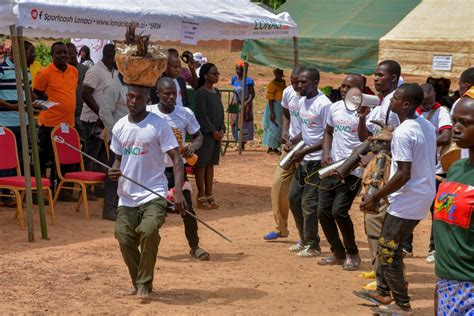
(200, 254)
(365, 295)
(389, 310)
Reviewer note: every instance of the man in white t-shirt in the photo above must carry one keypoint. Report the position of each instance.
(439, 117)
(182, 121)
(336, 197)
(410, 191)
(141, 141)
(303, 194)
(290, 136)
(98, 77)
(386, 79)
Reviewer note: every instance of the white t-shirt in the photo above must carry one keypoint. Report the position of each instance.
(143, 147)
(414, 141)
(179, 93)
(97, 77)
(290, 101)
(379, 113)
(441, 120)
(313, 115)
(181, 118)
(345, 137)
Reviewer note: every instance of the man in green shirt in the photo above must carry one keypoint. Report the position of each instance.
(453, 222)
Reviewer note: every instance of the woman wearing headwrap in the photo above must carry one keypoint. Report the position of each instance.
(210, 115)
(247, 126)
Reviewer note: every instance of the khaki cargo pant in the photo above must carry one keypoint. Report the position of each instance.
(138, 227)
(280, 188)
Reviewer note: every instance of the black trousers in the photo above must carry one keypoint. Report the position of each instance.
(46, 153)
(389, 274)
(190, 223)
(303, 200)
(110, 193)
(335, 201)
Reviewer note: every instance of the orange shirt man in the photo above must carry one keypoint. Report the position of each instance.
(57, 82)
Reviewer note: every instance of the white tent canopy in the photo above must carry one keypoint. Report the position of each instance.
(185, 20)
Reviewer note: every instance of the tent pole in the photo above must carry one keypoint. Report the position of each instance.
(295, 51)
(24, 133)
(242, 107)
(32, 130)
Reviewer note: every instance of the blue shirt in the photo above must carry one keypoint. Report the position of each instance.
(8, 93)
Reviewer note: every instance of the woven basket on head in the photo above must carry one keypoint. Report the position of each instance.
(140, 71)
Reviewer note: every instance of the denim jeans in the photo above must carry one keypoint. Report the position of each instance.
(390, 276)
(335, 201)
(303, 198)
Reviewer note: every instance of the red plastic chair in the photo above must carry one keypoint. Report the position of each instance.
(17, 184)
(66, 156)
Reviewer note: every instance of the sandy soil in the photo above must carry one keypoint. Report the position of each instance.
(80, 269)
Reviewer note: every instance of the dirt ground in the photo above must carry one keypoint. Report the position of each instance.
(80, 269)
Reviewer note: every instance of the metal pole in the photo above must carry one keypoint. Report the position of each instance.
(24, 133)
(60, 140)
(295, 51)
(32, 130)
(242, 107)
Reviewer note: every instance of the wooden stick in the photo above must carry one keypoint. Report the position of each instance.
(295, 51)
(32, 130)
(60, 140)
(24, 134)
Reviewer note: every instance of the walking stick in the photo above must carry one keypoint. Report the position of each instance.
(61, 140)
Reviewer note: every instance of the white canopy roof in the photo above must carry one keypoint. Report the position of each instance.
(186, 20)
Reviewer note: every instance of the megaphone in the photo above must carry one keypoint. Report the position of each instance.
(355, 99)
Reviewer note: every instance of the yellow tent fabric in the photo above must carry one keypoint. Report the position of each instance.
(433, 28)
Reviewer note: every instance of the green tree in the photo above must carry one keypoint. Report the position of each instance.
(275, 4)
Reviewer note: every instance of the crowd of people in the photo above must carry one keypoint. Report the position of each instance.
(155, 137)
(418, 127)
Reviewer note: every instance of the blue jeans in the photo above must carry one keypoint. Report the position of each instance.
(303, 200)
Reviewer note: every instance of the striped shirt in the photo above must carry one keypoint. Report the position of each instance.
(8, 93)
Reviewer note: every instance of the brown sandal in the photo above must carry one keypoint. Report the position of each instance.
(212, 202)
(202, 203)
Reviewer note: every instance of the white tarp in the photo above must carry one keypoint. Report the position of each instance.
(185, 20)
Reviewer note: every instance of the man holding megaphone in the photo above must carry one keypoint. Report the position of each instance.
(335, 200)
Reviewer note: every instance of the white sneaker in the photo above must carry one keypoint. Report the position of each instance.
(297, 248)
(431, 257)
(308, 252)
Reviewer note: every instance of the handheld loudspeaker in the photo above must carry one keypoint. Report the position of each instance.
(355, 99)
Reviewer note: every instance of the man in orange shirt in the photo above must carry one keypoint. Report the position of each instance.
(56, 82)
